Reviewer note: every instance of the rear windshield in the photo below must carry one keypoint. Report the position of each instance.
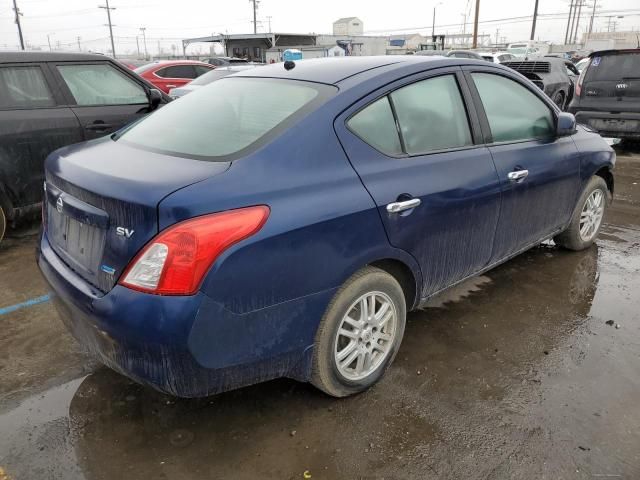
(211, 76)
(614, 67)
(225, 118)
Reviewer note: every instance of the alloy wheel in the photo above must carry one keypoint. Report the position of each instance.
(591, 216)
(365, 336)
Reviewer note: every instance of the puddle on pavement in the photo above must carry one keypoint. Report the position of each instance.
(493, 370)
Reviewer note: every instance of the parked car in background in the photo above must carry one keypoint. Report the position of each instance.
(168, 74)
(226, 61)
(133, 64)
(49, 100)
(497, 57)
(431, 53)
(528, 49)
(582, 64)
(551, 75)
(464, 54)
(179, 253)
(207, 78)
(608, 93)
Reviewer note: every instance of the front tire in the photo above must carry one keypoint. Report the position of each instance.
(587, 216)
(558, 99)
(359, 334)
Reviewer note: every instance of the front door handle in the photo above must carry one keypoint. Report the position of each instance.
(396, 207)
(518, 176)
(172, 86)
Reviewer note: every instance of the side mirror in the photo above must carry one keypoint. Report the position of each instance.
(155, 97)
(566, 124)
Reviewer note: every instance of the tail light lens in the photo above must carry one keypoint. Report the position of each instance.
(175, 261)
(581, 79)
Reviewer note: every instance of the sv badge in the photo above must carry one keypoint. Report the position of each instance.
(124, 232)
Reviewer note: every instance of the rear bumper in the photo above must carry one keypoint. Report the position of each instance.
(183, 346)
(623, 125)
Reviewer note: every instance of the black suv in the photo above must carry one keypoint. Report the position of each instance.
(49, 100)
(607, 95)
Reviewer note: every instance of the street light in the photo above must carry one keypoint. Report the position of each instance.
(433, 26)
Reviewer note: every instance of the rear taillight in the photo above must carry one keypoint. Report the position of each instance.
(581, 79)
(175, 262)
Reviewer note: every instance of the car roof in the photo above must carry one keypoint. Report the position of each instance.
(614, 52)
(336, 69)
(24, 57)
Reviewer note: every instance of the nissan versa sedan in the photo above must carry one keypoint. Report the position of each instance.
(281, 222)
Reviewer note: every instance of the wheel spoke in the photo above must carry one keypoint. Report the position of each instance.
(385, 337)
(364, 310)
(384, 320)
(357, 324)
(360, 362)
(371, 310)
(346, 351)
(348, 333)
(349, 360)
(584, 229)
(382, 311)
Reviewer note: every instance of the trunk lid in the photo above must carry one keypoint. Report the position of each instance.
(101, 203)
(612, 82)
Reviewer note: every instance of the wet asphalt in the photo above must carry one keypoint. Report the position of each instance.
(531, 371)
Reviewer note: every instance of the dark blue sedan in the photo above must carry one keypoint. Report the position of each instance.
(282, 221)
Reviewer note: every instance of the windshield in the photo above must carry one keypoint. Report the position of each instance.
(614, 67)
(222, 120)
(517, 50)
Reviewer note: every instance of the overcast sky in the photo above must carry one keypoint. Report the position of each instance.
(169, 22)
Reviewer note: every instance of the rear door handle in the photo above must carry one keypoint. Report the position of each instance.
(518, 176)
(98, 126)
(396, 207)
(171, 86)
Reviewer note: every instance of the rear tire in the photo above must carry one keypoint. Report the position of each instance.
(3, 224)
(587, 216)
(359, 334)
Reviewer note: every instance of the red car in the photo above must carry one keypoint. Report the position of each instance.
(168, 74)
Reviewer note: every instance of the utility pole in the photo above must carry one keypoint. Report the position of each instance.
(475, 25)
(573, 20)
(49, 41)
(497, 36)
(566, 35)
(18, 14)
(79, 47)
(575, 37)
(108, 9)
(138, 46)
(593, 14)
(535, 17)
(269, 19)
(144, 37)
(255, 10)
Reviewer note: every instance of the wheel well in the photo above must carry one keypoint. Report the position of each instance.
(403, 274)
(606, 174)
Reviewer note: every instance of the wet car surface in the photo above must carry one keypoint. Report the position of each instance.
(529, 371)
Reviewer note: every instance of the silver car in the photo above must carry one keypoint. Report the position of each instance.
(208, 78)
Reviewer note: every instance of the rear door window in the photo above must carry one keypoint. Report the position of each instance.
(376, 126)
(101, 84)
(177, 71)
(614, 67)
(24, 87)
(432, 115)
